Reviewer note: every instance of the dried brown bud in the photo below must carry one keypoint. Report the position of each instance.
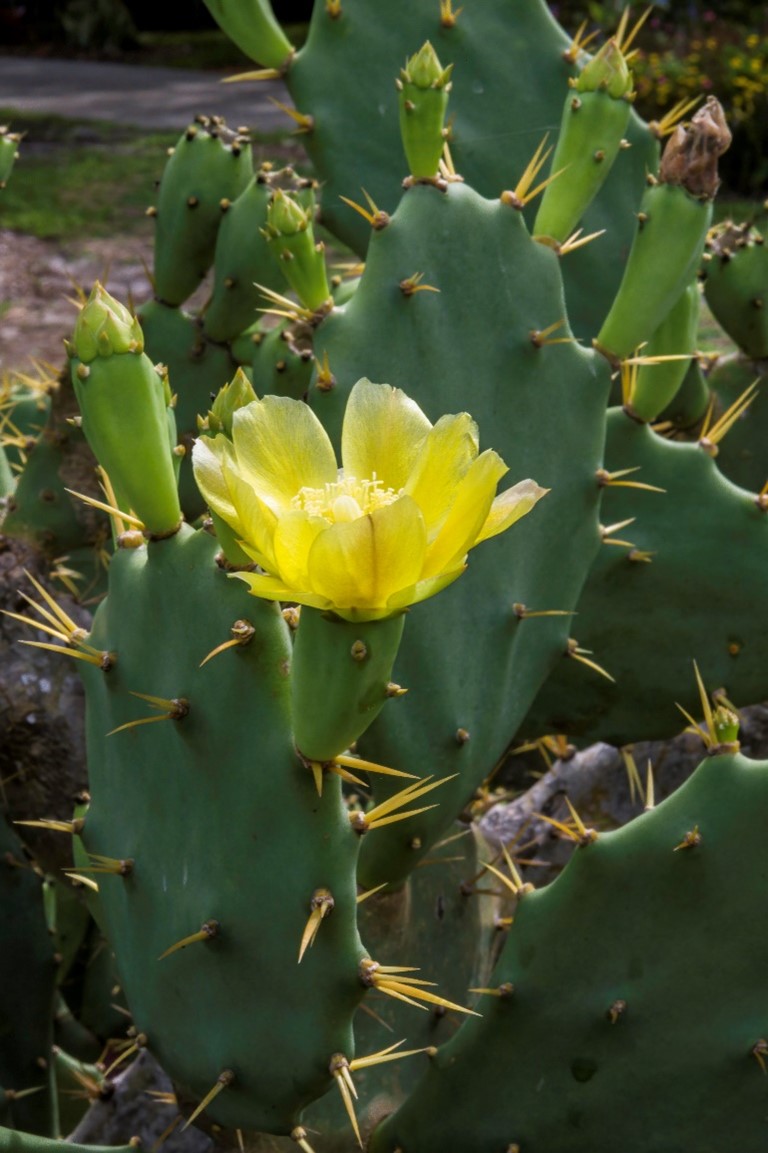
(690, 157)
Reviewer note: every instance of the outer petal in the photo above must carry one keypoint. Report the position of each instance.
(272, 589)
(255, 522)
(424, 589)
(445, 457)
(360, 564)
(510, 506)
(468, 514)
(281, 447)
(208, 456)
(382, 435)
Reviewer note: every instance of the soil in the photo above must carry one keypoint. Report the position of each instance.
(40, 280)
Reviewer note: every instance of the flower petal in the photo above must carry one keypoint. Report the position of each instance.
(468, 514)
(282, 447)
(294, 536)
(208, 455)
(510, 506)
(360, 564)
(444, 459)
(272, 589)
(423, 589)
(382, 435)
(254, 523)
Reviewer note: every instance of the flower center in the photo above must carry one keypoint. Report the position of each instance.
(344, 499)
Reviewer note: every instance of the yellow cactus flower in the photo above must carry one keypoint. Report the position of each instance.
(389, 528)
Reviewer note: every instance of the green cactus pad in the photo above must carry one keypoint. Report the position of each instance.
(200, 804)
(693, 598)
(468, 660)
(634, 986)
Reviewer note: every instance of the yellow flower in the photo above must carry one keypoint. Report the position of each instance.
(390, 528)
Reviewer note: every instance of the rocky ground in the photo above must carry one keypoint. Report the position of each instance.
(41, 279)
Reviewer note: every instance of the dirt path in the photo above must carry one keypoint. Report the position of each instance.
(39, 280)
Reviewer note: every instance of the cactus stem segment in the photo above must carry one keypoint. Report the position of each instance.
(376, 217)
(712, 435)
(242, 633)
(207, 931)
(386, 812)
(224, 1079)
(389, 979)
(339, 1067)
(174, 709)
(321, 904)
(582, 655)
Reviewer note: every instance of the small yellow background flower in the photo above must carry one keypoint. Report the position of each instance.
(390, 528)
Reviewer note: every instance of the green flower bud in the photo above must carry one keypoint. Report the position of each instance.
(424, 70)
(726, 725)
(229, 399)
(104, 326)
(285, 216)
(607, 71)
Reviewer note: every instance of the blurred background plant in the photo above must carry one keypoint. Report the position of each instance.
(687, 48)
